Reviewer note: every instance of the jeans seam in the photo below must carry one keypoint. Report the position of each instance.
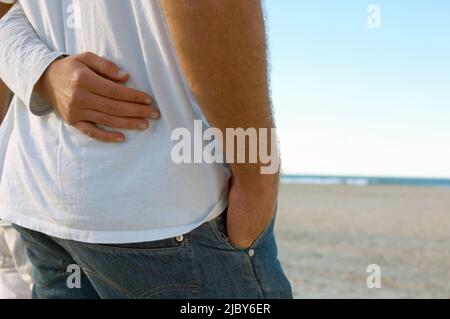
(194, 288)
(255, 276)
(136, 250)
(31, 242)
(29, 245)
(108, 282)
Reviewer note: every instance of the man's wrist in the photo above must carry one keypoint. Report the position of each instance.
(264, 184)
(257, 197)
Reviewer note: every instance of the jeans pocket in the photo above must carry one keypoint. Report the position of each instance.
(156, 269)
(266, 233)
(219, 228)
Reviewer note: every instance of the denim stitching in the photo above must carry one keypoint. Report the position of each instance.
(108, 282)
(255, 276)
(194, 288)
(143, 250)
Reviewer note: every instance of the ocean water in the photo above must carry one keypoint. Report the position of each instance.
(363, 180)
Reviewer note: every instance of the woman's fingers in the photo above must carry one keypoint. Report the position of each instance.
(91, 130)
(119, 108)
(112, 121)
(99, 85)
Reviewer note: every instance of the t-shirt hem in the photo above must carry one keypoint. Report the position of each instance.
(107, 237)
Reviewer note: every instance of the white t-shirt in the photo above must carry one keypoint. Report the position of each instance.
(54, 179)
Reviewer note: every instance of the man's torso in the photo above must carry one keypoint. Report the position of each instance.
(63, 183)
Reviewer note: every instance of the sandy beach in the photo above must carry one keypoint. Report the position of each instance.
(328, 235)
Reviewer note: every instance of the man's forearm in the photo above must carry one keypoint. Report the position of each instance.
(221, 45)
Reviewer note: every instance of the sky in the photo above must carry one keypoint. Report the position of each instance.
(354, 100)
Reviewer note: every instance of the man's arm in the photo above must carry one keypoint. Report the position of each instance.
(221, 45)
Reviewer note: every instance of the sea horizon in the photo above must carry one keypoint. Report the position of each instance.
(363, 180)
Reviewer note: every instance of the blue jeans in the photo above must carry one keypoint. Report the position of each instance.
(201, 264)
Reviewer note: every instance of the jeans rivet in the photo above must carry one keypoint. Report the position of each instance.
(179, 238)
(251, 252)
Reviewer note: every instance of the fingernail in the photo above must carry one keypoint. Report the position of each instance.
(120, 139)
(154, 115)
(148, 101)
(143, 125)
(121, 74)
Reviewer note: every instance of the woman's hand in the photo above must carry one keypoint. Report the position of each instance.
(86, 91)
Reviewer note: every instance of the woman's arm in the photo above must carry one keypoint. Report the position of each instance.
(4, 92)
(39, 79)
(24, 57)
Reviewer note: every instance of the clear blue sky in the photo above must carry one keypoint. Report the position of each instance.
(360, 101)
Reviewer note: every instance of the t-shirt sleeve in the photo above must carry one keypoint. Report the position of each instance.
(24, 58)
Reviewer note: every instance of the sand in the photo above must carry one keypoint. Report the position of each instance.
(328, 235)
